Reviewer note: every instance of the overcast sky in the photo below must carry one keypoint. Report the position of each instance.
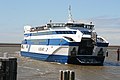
(15, 14)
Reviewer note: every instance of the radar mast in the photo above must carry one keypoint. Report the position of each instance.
(70, 19)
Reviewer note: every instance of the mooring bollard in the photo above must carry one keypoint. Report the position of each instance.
(107, 54)
(67, 75)
(118, 54)
(8, 68)
(72, 75)
(61, 75)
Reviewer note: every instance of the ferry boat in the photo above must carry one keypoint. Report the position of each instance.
(72, 42)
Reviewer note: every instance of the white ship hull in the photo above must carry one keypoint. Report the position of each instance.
(74, 43)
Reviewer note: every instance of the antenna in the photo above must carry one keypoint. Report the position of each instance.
(70, 20)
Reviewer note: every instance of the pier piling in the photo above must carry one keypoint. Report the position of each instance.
(67, 75)
(118, 54)
(72, 75)
(8, 68)
(107, 54)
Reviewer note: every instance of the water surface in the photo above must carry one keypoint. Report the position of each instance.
(29, 69)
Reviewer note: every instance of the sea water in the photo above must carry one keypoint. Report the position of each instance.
(30, 69)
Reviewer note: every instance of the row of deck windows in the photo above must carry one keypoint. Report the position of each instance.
(50, 32)
(45, 42)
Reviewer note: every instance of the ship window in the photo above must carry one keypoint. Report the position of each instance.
(66, 32)
(57, 42)
(58, 32)
(100, 40)
(74, 25)
(89, 26)
(44, 33)
(69, 32)
(54, 41)
(70, 39)
(26, 35)
(30, 42)
(24, 41)
(36, 41)
(74, 32)
(86, 32)
(43, 41)
(62, 32)
(34, 34)
(52, 32)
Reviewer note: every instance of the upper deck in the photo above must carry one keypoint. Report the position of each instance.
(59, 25)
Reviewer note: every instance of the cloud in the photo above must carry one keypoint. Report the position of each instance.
(107, 22)
(112, 35)
(109, 30)
(108, 27)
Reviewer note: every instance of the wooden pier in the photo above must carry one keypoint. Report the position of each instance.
(8, 68)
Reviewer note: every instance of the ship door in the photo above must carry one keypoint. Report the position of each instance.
(73, 51)
(86, 46)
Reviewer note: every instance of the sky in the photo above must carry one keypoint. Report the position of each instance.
(15, 14)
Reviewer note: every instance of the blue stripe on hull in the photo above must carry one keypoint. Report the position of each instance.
(46, 57)
(65, 59)
(58, 58)
(34, 55)
(49, 42)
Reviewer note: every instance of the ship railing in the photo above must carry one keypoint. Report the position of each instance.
(39, 28)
